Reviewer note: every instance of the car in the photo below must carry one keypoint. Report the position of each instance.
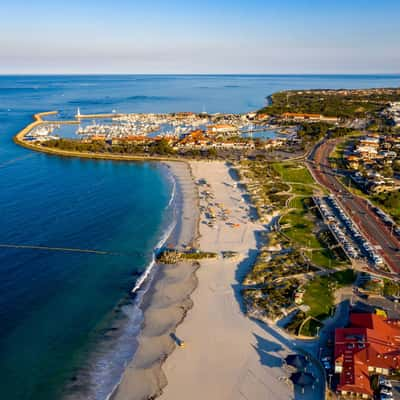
(384, 382)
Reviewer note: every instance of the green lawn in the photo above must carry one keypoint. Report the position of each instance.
(296, 202)
(302, 190)
(301, 225)
(323, 258)
(319, 297)
(291, 172)
(319, 292)
(300, 229)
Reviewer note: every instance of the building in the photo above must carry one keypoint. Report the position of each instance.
(301, 116)
(309, 117)
(136, 139)
(224, 129)
(370, 345)
(353, 161)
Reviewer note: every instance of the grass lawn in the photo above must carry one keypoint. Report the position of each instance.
(319, 297)
(323, 258)
(301, 225)
(319, 292)
(291, 172)
(300, 230)
(302, 190)
(297, 202)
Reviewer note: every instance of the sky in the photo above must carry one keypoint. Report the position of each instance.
(220, 36)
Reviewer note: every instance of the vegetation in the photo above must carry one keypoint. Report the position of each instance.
(390, 202)
(169, 256)
(290, 172)
(319, 297)
(391, 288)
(355, 104)
(271, 298)
(271, 267)
(156, 148)
(304, 241)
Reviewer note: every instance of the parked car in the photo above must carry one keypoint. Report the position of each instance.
(384, 382)
(386, 391)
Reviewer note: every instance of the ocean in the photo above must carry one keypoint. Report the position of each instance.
(68, 324)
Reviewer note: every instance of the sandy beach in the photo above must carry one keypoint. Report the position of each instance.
(166, 302)
(226, 355)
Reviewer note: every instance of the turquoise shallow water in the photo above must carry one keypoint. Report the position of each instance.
(62, 313)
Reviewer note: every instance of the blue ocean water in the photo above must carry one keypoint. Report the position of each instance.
(57, 309)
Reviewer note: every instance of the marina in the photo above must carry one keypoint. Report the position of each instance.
(182, 130)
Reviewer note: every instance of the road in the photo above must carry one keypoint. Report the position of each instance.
(357, 208)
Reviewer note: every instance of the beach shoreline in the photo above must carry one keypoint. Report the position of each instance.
(226, 355)
(187, 291)
(167, 300)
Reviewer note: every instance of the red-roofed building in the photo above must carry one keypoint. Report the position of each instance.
(370, 345)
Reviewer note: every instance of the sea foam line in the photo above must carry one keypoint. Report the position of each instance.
(144, 277)
(160, 243)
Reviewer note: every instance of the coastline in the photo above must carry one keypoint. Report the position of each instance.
(167, 288)
(166, 302)
(226, 354)
(156, 369)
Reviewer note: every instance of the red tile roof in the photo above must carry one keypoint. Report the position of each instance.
(370, 340)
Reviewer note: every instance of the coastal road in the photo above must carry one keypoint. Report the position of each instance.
(357, 208)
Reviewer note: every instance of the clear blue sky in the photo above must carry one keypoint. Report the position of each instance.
(220, 36)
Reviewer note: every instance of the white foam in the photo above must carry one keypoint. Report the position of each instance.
(167, 233)
(142, 285)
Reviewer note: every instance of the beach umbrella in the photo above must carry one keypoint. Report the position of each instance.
(302, 379)
(296, 360)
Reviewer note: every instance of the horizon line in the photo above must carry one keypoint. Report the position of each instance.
(198, 74)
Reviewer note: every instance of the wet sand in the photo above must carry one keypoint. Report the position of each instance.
(166, 303)
(226, 355)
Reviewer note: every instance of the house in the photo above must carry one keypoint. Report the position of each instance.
(194, 138)
(367, 151)
(222, 129)
(369, 345)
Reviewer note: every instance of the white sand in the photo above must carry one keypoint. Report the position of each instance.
(165, 304)
(227, 356)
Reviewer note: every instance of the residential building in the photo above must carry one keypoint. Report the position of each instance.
(369, 345)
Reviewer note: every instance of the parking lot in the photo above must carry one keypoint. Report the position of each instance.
(346, 232)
